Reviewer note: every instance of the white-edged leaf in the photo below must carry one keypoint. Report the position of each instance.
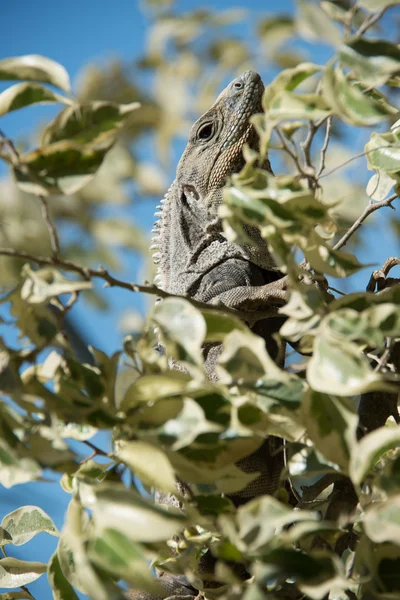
(24, 94)
(15, 572)
(26, 522)
(370, 449)
(33, 67)
(149, 463)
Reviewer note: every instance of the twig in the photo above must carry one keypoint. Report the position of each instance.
(96, 450)
(372, 20)
(51, 228)
(325, 146)
(349, 20)
(288, 149)
(357, 224)
(348, 161)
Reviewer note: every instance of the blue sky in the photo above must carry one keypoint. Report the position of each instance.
(76, 33)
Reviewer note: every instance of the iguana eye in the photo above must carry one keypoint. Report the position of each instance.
(238, 85)
(205, 132)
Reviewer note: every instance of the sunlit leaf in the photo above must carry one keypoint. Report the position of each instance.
(148, 463)
(26, 522)
(60, 586)
(372, 61)
(140, 520)
(15, 572)
(33, 67)
(331, 424)
(24, 94)
(370, 449)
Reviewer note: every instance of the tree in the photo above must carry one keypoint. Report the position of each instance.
(342, 539)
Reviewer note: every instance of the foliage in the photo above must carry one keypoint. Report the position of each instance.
(342, 540)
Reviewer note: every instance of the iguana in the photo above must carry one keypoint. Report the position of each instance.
(193, 256)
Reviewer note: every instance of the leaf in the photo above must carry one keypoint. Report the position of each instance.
(24, 595)
(121, 557)
(15, 572)
(314, 24)
(370, 450)
(372, 61)
(33, 67)
(24, 94)
(148, 463)
(41, 285)
(375, 5)
(14, 469)
(26, 522)
(60, 586)
(379, 186)
(383, 153)
(150, 388)
(341, 368)
(182, 327)
(140, 520)
(325, 260)
(87, 123)
(60, 168)
(288, 80)
(260, 519)
(382, 521)
(219, 325)
(288, 105)
(331, 424)
(350, 102)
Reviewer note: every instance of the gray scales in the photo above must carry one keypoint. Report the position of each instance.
(193, 256)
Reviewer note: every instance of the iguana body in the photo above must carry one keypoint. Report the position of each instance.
(194, 257)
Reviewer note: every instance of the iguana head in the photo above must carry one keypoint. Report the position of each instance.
(192, 253)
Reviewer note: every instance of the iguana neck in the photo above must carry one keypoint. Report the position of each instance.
(189, 247)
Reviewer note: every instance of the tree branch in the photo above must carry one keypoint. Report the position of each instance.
(371, 20)
(357, 224)
(111, 281)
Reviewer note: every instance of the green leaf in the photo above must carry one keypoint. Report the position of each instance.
(331, 424)
(288, 80)
(219, 325)
(15, 572)
(350, 102)
(341, 368)
(382, 521)
(149, 463)
(14, 469)
(124, 559)
(41, 285)
(26, 522)
(60, 168)
(60, 586)
(288, 105)
(370, 450)
(261, 518)
(24, 94)
(383, 152)
(182, 328)
(33, 67)
(372, 61)
(379, 186)
(375, 5)
(87, 123)
(150, 388)
(314, 24)
(140, 520)
(325, 260)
